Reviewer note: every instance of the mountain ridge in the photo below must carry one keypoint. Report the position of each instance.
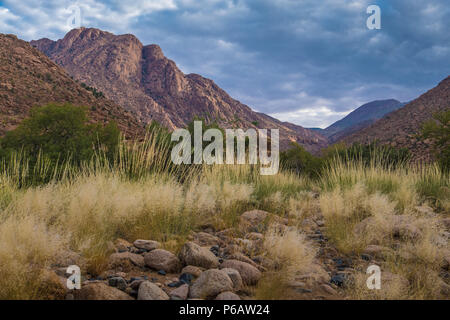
(141, 79)
(29, 78)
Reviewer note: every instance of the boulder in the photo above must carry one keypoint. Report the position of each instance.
(99, 291)
(235, 276)
(150, 291)
(211, 283)
(122, 245)
(193, 270)
(147, 245)
(125, 260)
(227, 295)
(206, 239)
(249, 274)
(160, 259)
(180, 293)
(254, 219)
(193, 254)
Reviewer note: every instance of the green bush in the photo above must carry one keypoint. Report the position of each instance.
(438, 130)
(300, 161)
(61, 133)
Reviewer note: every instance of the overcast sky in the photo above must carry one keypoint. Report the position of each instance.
(309, 62)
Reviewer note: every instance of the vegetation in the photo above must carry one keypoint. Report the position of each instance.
(438, 130)
(135, 192)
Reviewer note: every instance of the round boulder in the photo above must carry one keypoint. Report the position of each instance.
(160, 259)
(194, 255)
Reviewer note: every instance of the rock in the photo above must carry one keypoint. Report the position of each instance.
(211, 283)
(338, 279)
(160, 259)
(241, 257)
(193, 254)
(328, 289)
(249, 274)
(446, 223)
(186, 278)
(180, 293)
(118, 282)
(122, 245)
(125, 260)
(99, 291)
(150, 291)
(135, 284)
(52, 286)
(147, 245)
(254, 219)
(235, 276)
(195, 271)
(206, 239)
(227, 295)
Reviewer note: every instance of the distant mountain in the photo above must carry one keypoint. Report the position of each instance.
(401, 127)
(360, 118)
(141, 79)
(29, 78)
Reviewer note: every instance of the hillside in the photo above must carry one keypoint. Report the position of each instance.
(29, 78)
(141, 79)
(400, 128)
(360, 118)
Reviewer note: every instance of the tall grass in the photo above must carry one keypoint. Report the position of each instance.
(49, 210)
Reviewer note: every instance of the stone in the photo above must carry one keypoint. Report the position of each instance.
(150, 291)
(254, 219)
(52, 286)
(249, 274)
(122, 245)
(235, 276)
(328, 289)
(227, 295)
(186, 278)
(147, 245)
(125, 260)
(206, 239)
(195, 271)
(135, 284)
(210, 283)
(118, 282)
(338, 279)
(160, 259)
(99, 291)
(193, 254)
(180, 293)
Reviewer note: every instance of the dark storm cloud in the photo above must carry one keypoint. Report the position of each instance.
(306, 61)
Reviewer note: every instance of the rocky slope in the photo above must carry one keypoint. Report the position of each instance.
(360, 118)
(401, 127)
(29, 78)
(141, 79)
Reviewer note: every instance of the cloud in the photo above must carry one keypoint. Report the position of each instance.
(306, 61)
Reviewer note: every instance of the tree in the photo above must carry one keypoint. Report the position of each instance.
(299, 160)
(438, 131)
(60, 132)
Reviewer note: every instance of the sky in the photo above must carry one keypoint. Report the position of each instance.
(309, 62)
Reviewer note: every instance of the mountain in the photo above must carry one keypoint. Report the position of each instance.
(401, 127)
(360, 118)
(141, 79)
(29, 78)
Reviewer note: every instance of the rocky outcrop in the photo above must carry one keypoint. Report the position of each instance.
(141, 79)
(29, 78)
